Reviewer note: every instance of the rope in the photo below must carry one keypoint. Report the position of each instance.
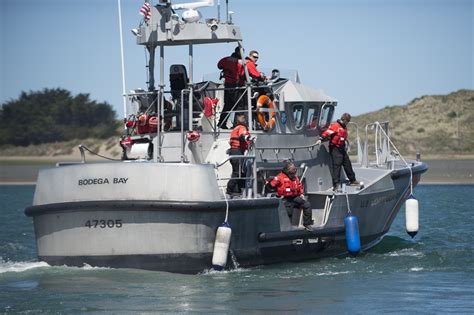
(226, 206)
(348, 207)
(99, 155)
(225, 197)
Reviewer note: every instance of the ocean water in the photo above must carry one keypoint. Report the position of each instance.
(431, 274)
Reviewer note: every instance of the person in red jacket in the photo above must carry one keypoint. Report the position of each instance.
(239, 141)
(251, 62)
(289, 187)
(337, 135)
(233, 72)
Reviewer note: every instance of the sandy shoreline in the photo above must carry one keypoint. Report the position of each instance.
(24, 171)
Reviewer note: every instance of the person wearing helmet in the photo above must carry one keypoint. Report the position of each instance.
(289, 187)
(239, 141)
(337, 135)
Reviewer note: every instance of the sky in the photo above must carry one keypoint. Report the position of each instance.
(367, 54)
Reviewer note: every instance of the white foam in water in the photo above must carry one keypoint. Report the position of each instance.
(415, 269)
(15, 266)
(20, 266)
(332, 273)
(410, 252)
(226, 271)
(89, 267)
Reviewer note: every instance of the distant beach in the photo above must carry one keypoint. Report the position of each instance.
(25, 171)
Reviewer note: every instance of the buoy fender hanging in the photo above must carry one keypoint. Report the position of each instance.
(221, 246)
(351, 225)
(411, 216)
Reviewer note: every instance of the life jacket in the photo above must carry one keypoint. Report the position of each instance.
(209, 106)
(239, 138)
(287, 187)
(337, 134)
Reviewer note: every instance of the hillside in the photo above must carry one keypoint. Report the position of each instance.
(438, 126)
(63, 151)
(435, 125)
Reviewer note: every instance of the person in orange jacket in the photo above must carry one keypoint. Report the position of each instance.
(289, 187)
(239, 141)
(337, 135)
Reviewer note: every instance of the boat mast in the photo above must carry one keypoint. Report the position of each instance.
(151, 68)
(124, 94)
(166, 28)
(190, 86)
(157, 143)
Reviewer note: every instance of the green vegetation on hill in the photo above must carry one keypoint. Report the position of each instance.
(433, 125)
(54, 115)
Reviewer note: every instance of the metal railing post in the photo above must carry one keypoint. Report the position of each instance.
(365, 156)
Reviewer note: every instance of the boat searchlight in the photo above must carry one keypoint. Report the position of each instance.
(212, 23)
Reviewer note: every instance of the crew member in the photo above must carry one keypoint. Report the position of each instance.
(240, 140)
(251, 62)
(337, 135)
(233, 72)
(290, 188)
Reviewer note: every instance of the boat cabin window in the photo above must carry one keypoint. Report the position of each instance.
(326, 116)
(312, 118)
(298, 111)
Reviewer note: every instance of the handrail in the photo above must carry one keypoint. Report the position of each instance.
(231, 157)
(311, 146)
(382, 144)
(253, 178)
(359, 148)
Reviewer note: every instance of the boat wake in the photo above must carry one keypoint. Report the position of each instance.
(408, 252)
(390, 244)
(213, 272)
(20, 266)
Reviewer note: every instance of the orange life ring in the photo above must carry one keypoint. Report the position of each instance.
(266, 119)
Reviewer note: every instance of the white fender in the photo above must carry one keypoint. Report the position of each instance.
(221, 246)
(411, 216)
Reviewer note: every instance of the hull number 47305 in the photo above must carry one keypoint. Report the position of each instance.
(104, 224)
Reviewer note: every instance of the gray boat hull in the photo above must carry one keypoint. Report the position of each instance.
(179, 236)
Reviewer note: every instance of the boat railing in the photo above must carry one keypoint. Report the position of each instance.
(247, 166)
(377, 149)
(194, 106)
(291, 149)
(250, 164)
(185, 109)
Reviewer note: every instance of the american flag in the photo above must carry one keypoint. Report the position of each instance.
(145, 10)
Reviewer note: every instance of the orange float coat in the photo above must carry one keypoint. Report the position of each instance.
(337, 133)
(286, 187)
(240, 138)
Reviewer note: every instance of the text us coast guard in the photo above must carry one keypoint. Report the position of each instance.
(102, 181)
